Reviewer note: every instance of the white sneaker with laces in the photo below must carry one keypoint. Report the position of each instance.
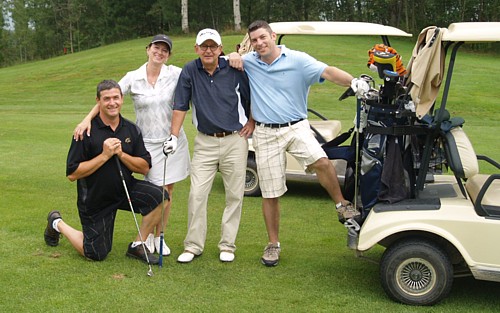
(185, 257)
(226, 256)
(166, 249)
(150, 243)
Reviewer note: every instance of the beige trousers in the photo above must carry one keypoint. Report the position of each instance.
(228, 155)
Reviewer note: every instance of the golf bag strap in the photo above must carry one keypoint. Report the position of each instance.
(340, 139)
(400, 130)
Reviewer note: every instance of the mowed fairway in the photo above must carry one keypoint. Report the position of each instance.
(40, 105)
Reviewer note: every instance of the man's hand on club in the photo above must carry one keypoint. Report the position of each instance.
(360, 87)
(112, 146)
(170, 145)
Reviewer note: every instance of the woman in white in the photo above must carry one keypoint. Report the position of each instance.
(151, 88)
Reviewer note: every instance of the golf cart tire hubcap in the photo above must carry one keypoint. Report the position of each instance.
(252, 187)
(416, 276)
(250, 179)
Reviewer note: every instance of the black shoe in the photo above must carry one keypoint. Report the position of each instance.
(138, 253)
(51, 235)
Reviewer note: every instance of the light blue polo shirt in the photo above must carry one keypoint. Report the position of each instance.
(279, 90)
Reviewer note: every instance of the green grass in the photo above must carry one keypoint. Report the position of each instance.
(40, 105)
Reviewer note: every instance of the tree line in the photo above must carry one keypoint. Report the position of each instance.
(40, 29)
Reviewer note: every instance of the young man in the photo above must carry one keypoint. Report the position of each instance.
(92, 162)
(221, 113)
(279, 83)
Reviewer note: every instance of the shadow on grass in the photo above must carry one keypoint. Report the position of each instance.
(306, 190)
(470, 291)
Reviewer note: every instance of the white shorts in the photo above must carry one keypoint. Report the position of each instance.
(177, 167)
(271, 145)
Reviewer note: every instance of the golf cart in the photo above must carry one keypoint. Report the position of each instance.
(449, 224)
(325, 130)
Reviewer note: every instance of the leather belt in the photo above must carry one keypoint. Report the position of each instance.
(221, 134)
(278, 125)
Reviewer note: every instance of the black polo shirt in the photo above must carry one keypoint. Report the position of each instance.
(221, 102)
(103, 189)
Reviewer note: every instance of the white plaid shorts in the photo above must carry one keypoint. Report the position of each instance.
(271, 145)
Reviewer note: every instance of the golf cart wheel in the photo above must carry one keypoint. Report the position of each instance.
(252, 188)
(416, 272)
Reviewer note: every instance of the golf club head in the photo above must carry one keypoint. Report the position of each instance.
(150, 273)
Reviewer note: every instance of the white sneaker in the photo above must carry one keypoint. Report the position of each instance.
(166, 249)
(185, 257)
(226, 256)
(150, 243)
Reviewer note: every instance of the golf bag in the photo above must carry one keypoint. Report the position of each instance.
(386, 171)
(393, 126)
(385, 160)
(394, 131)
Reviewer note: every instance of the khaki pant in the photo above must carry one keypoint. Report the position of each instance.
(229, 156)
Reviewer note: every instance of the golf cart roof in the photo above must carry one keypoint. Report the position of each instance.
(473, 32)
(336, 28)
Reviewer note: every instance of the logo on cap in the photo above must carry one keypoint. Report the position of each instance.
(208, 34)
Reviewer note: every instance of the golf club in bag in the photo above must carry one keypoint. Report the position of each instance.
(150, 271)
(352, 226)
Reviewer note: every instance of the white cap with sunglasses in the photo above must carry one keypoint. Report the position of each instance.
(208, 34)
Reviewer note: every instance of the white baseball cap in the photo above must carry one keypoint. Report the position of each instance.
(208, 34)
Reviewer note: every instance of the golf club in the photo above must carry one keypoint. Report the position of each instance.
(356, 169)
(150, 271)
(160, 264)
(351, 224)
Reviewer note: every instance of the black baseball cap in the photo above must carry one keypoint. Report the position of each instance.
(162, 38)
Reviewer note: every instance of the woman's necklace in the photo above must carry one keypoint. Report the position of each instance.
(152, 78)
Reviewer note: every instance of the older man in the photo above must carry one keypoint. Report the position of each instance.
(220, 98)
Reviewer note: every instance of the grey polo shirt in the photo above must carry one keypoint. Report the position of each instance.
(221, 102)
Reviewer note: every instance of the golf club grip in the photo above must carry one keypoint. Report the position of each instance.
(119, 166)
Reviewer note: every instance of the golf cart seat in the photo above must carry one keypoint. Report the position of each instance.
(328, 129)
(483, 189)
